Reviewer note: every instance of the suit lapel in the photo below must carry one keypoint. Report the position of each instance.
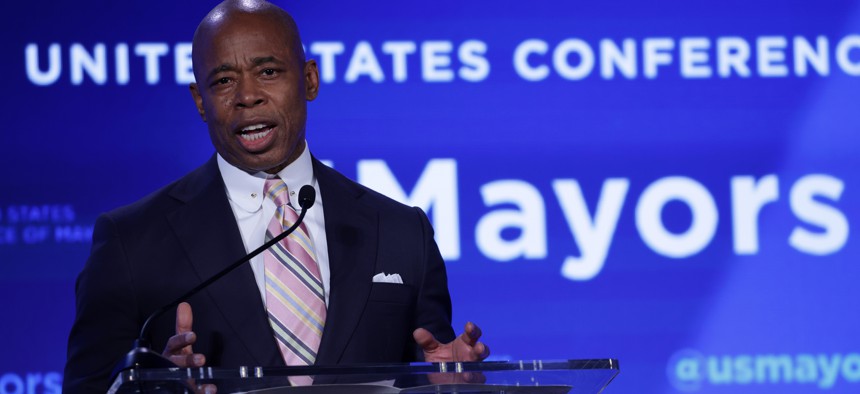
(351, 234)
(210, 237)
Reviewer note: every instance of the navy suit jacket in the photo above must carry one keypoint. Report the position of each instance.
(148, 253)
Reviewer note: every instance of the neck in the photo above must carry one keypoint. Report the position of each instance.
(293, 157)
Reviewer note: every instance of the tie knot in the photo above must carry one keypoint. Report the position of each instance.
(276, 189)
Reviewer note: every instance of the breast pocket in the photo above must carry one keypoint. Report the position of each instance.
(392, 293)
(384, 333)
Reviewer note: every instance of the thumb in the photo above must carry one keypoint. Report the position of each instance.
(425, 339)
(184, 318)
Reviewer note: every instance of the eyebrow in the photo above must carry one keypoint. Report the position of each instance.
(267, 59)
(257, 61)
(221, 68)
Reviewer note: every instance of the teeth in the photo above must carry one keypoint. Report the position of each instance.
(255, 136)
(254, 127)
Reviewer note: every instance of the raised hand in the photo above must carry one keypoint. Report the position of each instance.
(178, 349)
(463, 348)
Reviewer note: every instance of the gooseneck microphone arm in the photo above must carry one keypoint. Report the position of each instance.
(307, 196)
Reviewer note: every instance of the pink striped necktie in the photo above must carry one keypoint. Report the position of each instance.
(295, 299)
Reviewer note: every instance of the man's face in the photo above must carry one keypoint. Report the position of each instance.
(252, 90)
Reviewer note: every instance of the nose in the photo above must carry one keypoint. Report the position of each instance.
(248, 94)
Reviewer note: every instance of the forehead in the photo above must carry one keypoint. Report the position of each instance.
(241, 35)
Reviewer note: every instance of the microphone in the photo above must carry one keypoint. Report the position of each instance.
(141, 356)
(307, 196)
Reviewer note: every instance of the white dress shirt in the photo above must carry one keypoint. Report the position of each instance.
(253, 210)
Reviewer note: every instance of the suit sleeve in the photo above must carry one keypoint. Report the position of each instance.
(433, 308)
(106, 321)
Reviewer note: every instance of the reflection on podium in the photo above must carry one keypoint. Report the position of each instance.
(536, 376)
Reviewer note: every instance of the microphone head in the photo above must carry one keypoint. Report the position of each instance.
(307, 196)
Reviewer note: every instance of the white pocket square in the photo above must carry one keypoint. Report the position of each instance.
(383, 278)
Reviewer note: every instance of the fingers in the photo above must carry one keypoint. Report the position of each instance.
(178, 349)
(480, 351)
(465, 348)
(471, 334)
(188, 360)
(180, 343)
(184, 337)
(473, 330)
(184, 318)
(425, 339)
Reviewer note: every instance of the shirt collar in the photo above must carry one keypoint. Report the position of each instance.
(246, 190)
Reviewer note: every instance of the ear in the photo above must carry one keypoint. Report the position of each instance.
(312, 80)
(198, 100)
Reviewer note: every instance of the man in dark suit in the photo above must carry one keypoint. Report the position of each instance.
(253, 83)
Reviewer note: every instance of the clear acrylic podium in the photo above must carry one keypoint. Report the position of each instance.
(533, 376)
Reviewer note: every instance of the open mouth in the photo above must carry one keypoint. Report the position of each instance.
(255, 131)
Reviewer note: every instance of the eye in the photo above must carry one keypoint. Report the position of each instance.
(219, 82)
(269, 72)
